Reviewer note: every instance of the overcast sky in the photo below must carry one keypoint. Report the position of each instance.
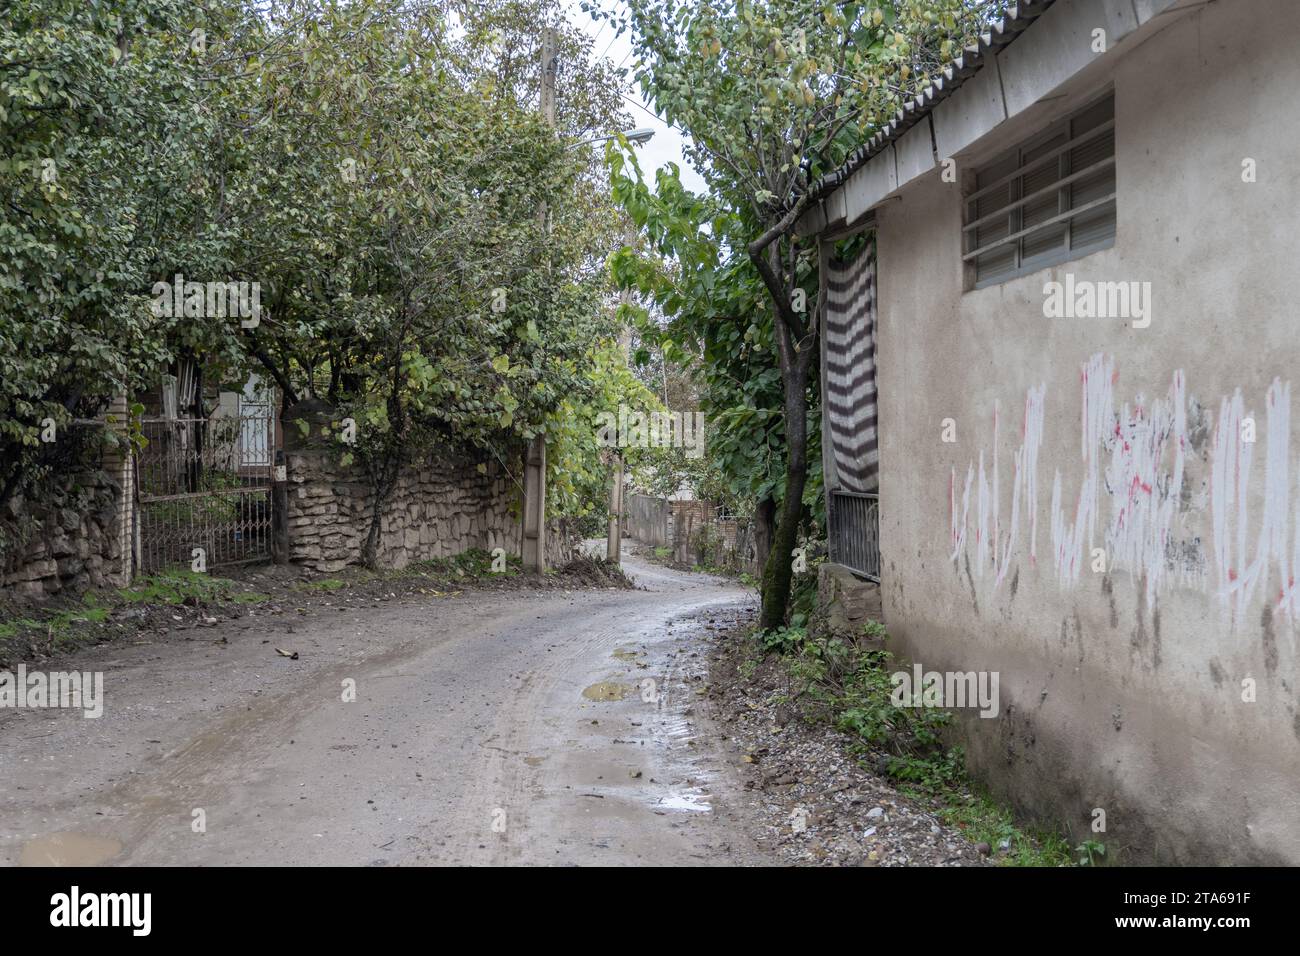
(666, 146)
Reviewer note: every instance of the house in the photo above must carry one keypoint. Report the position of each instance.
(1058, 346)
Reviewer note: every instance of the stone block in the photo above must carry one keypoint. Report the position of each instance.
(847, 601)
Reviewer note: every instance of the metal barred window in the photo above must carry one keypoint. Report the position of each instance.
(855, 532)
(1049, 200)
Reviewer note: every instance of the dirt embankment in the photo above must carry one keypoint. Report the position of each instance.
(817, 802)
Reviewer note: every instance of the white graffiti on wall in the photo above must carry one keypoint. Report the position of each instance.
(1132, 501)
(1229, 500)
(991, 547)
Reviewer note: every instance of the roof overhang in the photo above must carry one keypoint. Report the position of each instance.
(1019, 72)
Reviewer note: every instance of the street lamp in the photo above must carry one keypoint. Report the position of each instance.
(639, 136)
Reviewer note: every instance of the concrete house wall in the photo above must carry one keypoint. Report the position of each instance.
(1121, 689)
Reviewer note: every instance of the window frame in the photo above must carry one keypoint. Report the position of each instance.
(1014, 208)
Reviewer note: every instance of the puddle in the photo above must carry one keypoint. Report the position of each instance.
(68, 849)
(608, 690)
(694, 801)
(534, 761)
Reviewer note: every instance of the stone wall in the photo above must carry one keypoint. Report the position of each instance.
(70, 541)
(648, 520)
(75, 531)
(439, 507)
(847, 602)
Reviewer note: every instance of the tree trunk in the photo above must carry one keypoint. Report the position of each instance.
(382, 484)
(764, 531)
(778, 571)
(370, 550)
(386, 467)
(796, 340)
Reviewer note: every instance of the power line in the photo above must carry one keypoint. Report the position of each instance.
(596, 39)
(643, 109)
(609, 44)
(604, 22)
(630, 51)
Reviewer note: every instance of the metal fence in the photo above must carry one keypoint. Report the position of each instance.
(648, 519)
(694, 532)
(855, 532)
(205, 483)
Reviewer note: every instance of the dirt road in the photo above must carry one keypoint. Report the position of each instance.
(486, 729)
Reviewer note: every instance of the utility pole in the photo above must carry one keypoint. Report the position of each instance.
(533, 533)
(614, 534)
(548, 76)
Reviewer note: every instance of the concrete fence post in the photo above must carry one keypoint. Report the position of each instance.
(119, 464)
(280, 509)
(533, 537)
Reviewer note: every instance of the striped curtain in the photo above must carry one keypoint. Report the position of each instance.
(851, 369)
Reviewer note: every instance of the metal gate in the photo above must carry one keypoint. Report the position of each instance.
(205, 483)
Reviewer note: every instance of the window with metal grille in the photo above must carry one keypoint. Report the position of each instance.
(1049, 200)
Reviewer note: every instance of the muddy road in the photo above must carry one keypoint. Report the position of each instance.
(545, 728)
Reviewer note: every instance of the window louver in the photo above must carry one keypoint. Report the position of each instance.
(1049, 200)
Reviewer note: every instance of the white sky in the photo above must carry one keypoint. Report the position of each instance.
(666, 146)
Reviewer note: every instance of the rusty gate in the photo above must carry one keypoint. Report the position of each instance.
(205, 483)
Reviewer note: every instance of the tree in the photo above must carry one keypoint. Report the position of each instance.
(375, 167)
(717, 325)
(82, 87)
(773, 93)
(387, 182)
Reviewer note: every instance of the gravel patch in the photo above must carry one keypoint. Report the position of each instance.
(815, 803)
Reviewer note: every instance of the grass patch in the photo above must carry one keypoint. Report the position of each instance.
(11, 628)
(93, 615)
(185, 587)
(250, 597)
(984, 820)
(325, 584)
(58, 625)
(474, 563)
(836, 681)
(70, 624)
(174, 587)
